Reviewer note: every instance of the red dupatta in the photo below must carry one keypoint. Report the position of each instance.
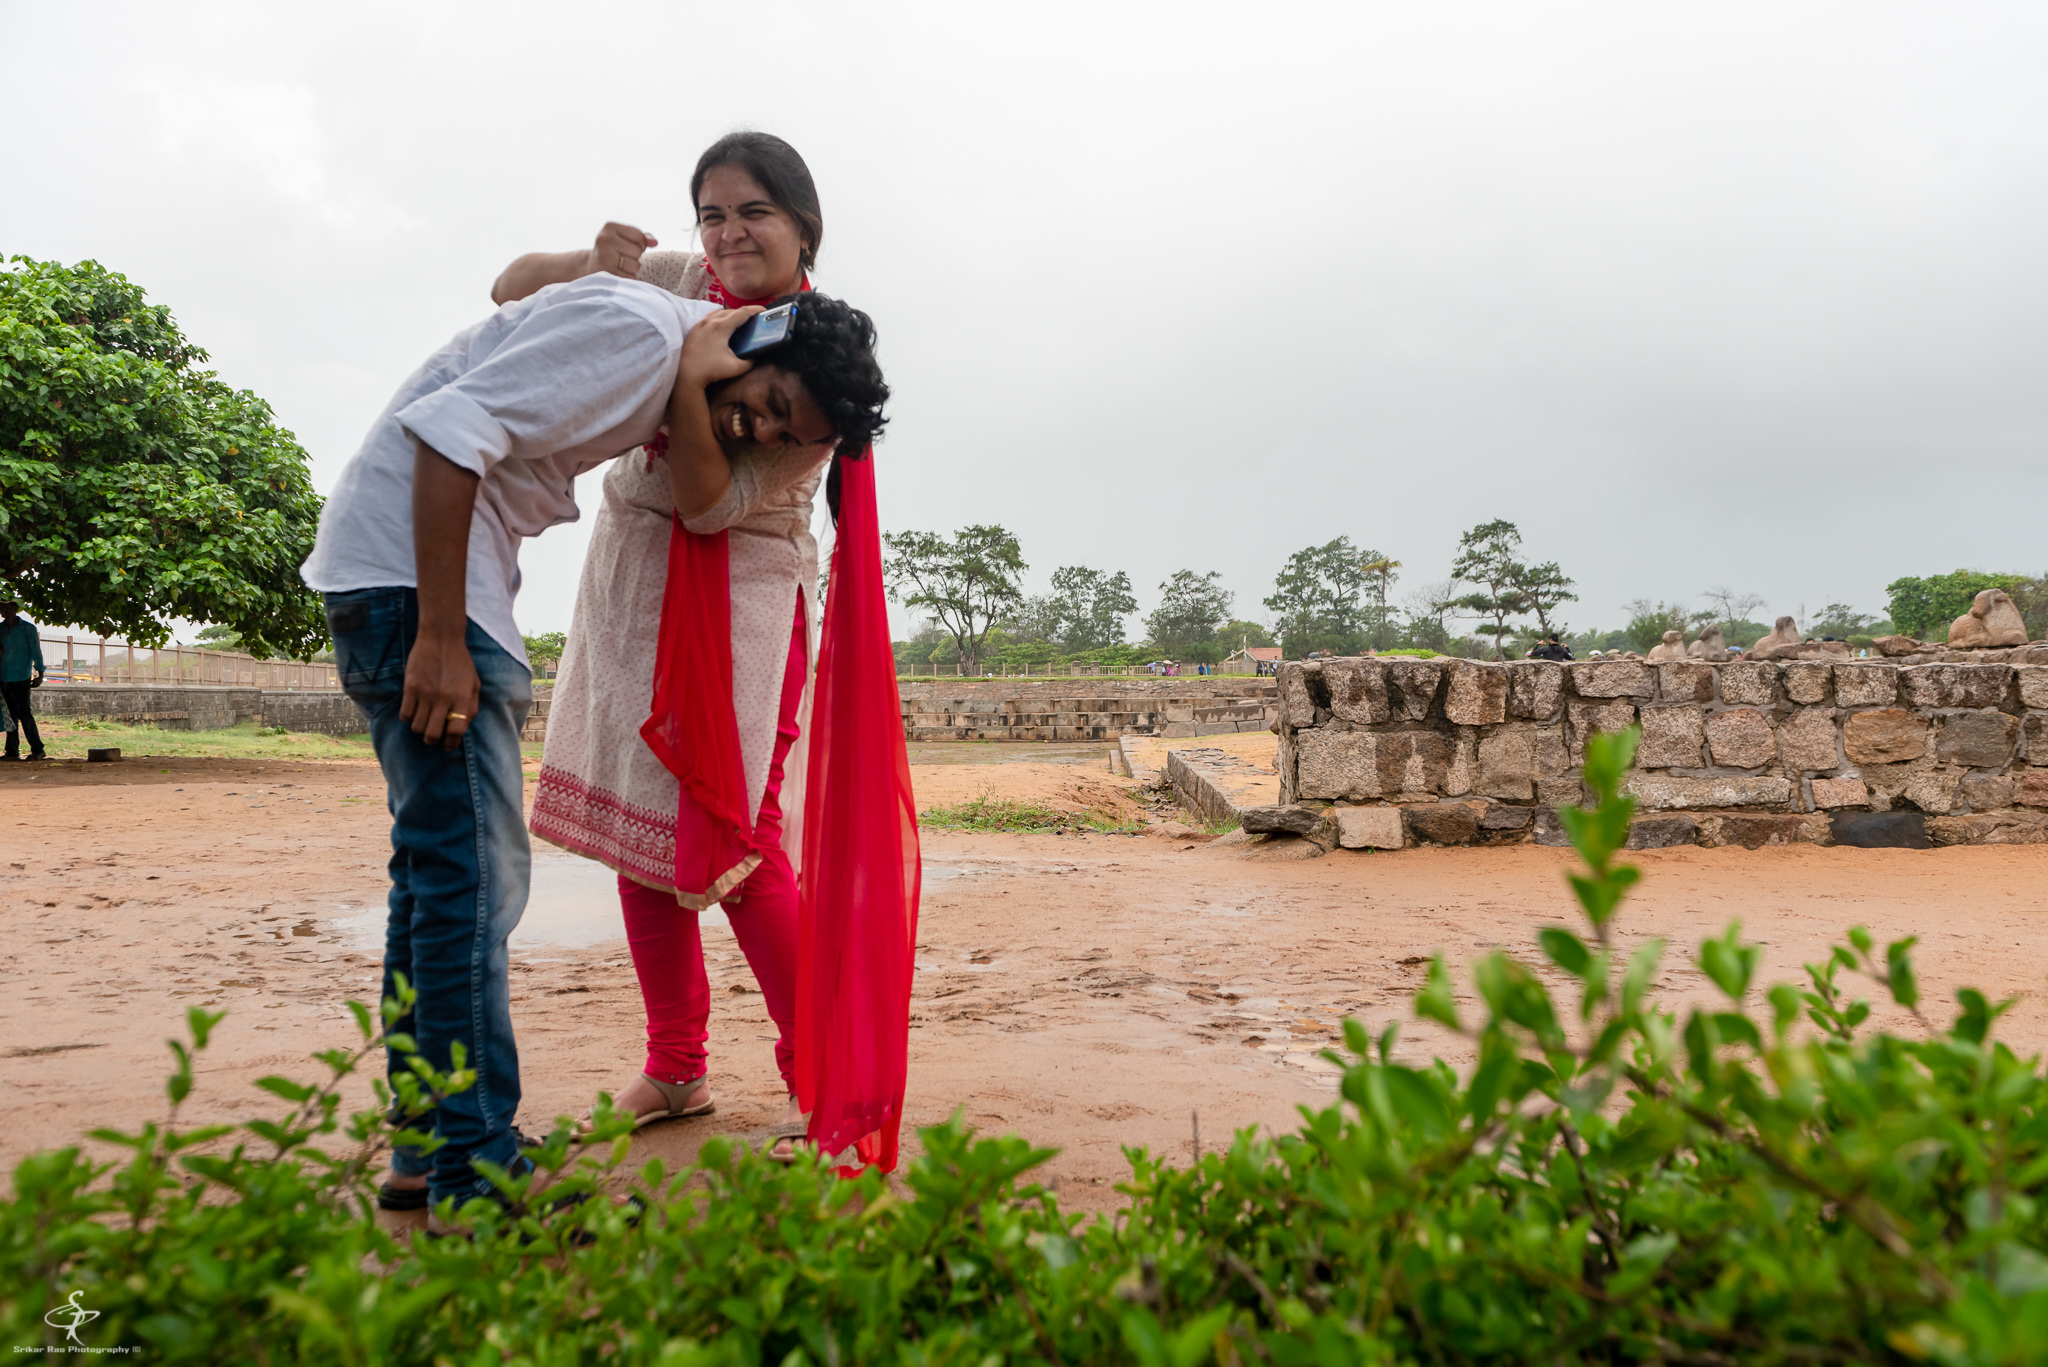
(857, 917)
(692, 728)
(859, 882)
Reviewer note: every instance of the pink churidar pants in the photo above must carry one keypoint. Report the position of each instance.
(668, 951)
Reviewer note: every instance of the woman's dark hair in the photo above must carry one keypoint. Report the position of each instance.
(831, 348)
(775, 165)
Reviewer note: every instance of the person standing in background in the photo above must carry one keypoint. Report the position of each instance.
(21, 668)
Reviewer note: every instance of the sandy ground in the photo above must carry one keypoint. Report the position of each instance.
(1086, 991)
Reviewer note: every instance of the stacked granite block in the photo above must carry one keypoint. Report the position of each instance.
(1749, 753)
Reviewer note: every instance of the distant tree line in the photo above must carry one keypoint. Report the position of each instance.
(1337, 598)
(967, 589)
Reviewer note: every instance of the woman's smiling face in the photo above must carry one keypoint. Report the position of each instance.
(751, 241)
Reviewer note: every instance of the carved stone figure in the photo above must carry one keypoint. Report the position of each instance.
(1991, 621)
(1709, 646)
(1673, 648)
(1783, 638)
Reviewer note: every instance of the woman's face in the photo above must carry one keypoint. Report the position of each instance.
(752, 243)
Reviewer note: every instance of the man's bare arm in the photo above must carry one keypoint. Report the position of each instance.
(617, 251)
(698, 470)
(441, 685)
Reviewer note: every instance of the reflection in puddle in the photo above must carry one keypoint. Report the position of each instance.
(573, 903)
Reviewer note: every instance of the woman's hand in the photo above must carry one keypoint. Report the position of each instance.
(618, 249)
(707, 350)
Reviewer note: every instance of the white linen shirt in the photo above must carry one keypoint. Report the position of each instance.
(528, 399)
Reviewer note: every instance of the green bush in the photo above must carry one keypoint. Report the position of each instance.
(1613, 1183)
(1924, 608)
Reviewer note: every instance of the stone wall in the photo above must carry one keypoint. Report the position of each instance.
(200, 707)
(1087, 709)
(1059, 709)
(1750, 753)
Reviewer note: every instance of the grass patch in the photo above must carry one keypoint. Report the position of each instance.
(987, 812)
(70, 738)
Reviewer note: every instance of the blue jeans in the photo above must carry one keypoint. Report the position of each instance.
(460, 866)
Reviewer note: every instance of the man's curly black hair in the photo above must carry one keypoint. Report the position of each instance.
(831, 348)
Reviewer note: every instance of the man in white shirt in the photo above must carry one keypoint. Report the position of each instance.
(418, 558)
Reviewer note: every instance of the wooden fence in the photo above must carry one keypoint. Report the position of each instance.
(96, 660)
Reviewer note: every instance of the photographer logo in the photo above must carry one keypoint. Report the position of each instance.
(71, 1317)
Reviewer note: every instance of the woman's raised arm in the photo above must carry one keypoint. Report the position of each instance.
(617, 251)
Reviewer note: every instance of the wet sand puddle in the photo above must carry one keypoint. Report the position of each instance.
(573, 903)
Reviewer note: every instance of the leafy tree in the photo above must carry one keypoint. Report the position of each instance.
(545, 650)
(1486, 557)
(1745, 633)
(1379, 578)
(134, 485)
(1035, 620)
(1924, 608)
(218, 637)
(1841, 621)
(930, 650)
(1088, 607)
(1318, 597)
(1647, 622)
(1429, 613)
(1191, 607)
(1238, 634)
(967, 582)
(2030, 596)
(1545, 588)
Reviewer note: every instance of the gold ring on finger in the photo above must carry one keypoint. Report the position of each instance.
(458, 716)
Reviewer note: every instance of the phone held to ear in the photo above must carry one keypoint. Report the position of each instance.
(764, 330)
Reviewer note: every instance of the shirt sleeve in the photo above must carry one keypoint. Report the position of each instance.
(568, 371)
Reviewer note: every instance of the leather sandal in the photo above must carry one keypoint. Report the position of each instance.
(797, 1131)
(673, 1095)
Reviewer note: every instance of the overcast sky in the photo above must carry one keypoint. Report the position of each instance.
(1751, 294)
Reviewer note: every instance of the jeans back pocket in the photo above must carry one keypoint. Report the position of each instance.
(370, 643)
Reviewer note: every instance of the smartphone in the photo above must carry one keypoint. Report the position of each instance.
(764, 330)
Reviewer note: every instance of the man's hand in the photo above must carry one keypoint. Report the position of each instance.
(440, 678)
(707, 350)
(618, 249)
(441, 689)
